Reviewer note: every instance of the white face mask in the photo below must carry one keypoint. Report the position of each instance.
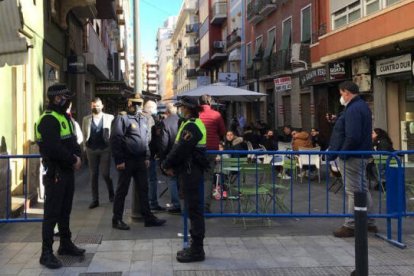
(342, 101)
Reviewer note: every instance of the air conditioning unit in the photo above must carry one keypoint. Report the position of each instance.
(218, 44)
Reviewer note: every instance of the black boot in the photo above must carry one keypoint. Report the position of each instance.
(49, 260)
(153, 221)
(189, 255)
(67, 247)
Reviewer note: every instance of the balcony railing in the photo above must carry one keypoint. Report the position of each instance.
(219, 12)
(192, 28)
(192, 73)
(253, 15)
(281, 61)
(95, 53)
(233, 38)
(265, 67)
(265, 7)
(192, 51)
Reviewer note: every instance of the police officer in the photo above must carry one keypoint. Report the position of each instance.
(187, 160)
(60, 156)
(129, 145)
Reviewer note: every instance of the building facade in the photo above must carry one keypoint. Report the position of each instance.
(186, 51)
(165, 58)
(355, 42)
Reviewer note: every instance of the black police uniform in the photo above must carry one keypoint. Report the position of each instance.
(187, 159)
(58, 157)
(129, 145)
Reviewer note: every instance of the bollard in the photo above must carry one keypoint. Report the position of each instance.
(361, 234)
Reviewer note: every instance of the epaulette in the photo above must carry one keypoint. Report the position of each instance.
(122, 113)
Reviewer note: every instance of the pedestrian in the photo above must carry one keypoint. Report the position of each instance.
(215, 132)
(150, 111)
(169, 129)
(96, 129)
(129, 145)
(353, 134)
(187, 160)
(60, 158)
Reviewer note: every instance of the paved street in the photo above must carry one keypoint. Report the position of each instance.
(286, 247)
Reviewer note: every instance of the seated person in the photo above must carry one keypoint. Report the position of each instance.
(317, 139)
(232, 142)
(269, 141)
(301, 139)
(286, 135)
(250, 136)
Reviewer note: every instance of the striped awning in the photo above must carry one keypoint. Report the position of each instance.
(13, 47)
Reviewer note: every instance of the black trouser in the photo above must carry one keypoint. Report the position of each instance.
(99, 159)
(137, 170)
(190, 182)
(59, 190)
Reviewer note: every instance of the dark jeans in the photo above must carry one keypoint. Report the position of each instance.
(59, 192)
(190, 181)
(153, 182)
(99, 159)
(137, 170)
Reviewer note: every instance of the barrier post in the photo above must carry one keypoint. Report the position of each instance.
(361, 232)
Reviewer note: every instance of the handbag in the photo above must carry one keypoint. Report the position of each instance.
(218, 192)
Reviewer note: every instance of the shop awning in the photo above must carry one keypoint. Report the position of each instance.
(13, 47)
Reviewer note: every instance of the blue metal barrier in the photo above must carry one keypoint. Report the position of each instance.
(25, 218)
(394, 195)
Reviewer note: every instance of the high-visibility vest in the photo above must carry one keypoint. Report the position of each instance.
(200, 125)
(66, 126)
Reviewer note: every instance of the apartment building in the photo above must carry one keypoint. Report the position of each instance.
(277, 37)
(165, 58)
(150, 77)
(44, 42)
(186, 51)
(370, 42)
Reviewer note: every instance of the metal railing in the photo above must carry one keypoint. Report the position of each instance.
(265, 184)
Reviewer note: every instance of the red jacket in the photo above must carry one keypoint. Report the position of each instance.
(214, 126)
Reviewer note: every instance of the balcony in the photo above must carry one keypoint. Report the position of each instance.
(95, 54)
(233, 39)
(219, 12)
(190, 5)
(192, 28)
(192, 74)
(192, 52)
(280, 61)
(219, 51)
(106, 9)
(265, 7)
(250, 73)
(265, 67)
(178, 64)
(300, 58)
(253, 15)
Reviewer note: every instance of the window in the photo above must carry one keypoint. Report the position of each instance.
(390, 2)
(372, 6)
(346, 15)
(271, 35)
(249, 54)
(306, 26)
(258, 46)
(287, 33)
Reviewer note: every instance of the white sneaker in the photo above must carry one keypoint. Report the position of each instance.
(286, 176)
(279, 175)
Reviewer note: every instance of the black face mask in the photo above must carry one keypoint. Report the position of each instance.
(96, 110)
(65, 105)
(134, 109)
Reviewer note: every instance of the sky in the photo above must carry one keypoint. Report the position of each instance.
(153, 13)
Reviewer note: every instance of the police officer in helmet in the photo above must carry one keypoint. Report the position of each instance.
(61, 157)
(187, 160)
(130, 150)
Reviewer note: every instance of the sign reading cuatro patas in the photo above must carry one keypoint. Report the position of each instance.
(394, 65)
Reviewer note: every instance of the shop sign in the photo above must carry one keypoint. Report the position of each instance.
(107, 88)
(76, 65)
(314, 76)
(394, 65)
(283, 84)
(337, 71)
(230, 79)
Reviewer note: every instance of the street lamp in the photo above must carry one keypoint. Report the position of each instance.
(257, 64)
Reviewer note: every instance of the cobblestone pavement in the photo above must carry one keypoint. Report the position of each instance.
(286, 247)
